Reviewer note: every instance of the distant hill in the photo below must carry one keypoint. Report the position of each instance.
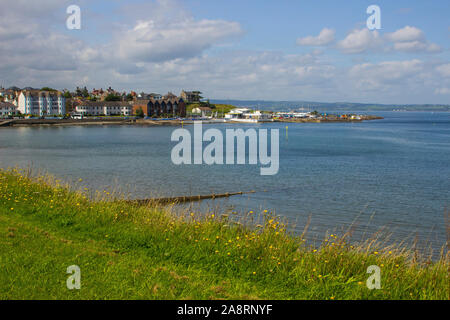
(330, 107)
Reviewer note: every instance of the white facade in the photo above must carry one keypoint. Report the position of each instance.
(7, 109)
(41, 103)
(107, 108)
(240, 115)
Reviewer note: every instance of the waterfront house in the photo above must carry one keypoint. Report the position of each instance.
(203, 111)
(42, 103)
(143, 105)
(7, 109)
(168, 106)
(104, 108)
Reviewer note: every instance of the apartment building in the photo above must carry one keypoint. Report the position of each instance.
(42, 103)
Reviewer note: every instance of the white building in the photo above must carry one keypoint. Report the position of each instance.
(7, 109)
(243, 115)
(104, 108)
(42, 103)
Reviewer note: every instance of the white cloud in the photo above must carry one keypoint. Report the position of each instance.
(167, 49)
(325, 37)
(443, 91)
(360, 41)
(149, 41)
(444, 70)
(408, 39)
(411, 39)
(406, 34)
(384, 75)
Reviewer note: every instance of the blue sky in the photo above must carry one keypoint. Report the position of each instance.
(234, 49)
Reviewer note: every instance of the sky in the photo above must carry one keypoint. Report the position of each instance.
(248, 49)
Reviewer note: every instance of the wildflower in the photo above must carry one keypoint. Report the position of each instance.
(254, 272)
(375, 253)
(332, 298)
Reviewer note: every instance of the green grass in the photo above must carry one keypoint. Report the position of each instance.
(131, 252)
(220, 108)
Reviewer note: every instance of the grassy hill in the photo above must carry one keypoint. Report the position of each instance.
(146, 252)
(220, 108)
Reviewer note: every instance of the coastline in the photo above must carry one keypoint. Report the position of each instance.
(142, 122)
(222, 259)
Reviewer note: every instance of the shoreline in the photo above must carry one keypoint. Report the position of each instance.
(135, 241)
(141, 122)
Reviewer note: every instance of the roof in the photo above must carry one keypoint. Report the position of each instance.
(141, 102)
(38, 93)
(6, 105)
(203, 108)
(104, 104)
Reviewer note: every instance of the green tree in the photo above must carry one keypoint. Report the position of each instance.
(47, 89)
(85, 92)
(139, 113)
(112, 97)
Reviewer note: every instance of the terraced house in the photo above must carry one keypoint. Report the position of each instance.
(104, 108)
(41, 103)
(168, 106)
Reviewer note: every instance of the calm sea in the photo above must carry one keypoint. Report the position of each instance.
(392, 173)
